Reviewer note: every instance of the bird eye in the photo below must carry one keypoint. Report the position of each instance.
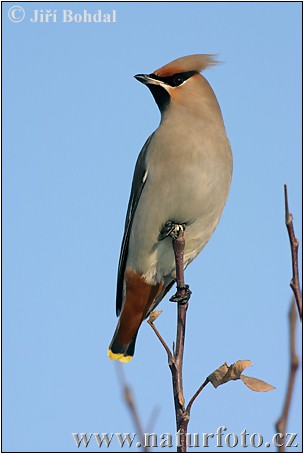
(177, 80)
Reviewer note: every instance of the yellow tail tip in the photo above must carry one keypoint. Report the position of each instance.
(119, 356)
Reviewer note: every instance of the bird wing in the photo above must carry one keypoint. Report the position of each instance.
(138, 183)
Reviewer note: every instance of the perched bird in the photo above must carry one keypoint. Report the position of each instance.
(182, 176)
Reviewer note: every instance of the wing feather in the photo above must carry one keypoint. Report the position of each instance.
(138, 183)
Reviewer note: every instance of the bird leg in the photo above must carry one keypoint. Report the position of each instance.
(183, 293)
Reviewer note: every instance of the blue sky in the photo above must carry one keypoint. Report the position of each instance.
(74, 121)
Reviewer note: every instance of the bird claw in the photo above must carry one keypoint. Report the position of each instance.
(171, 229)
(182, 295)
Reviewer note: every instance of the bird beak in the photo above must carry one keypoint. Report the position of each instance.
(143, 78)
(147, 80)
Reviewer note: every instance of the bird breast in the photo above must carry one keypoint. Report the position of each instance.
(189, 173)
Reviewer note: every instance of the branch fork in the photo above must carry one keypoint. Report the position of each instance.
(294, 246)
(175, 358)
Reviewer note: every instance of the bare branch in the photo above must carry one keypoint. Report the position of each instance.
(170, 356)
(152, 419)
(129, 399)
(175, 359)
(281, 423)
(294, 245)
(200, 389)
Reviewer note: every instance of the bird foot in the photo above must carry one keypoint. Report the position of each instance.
(182, 295)
(171, 229)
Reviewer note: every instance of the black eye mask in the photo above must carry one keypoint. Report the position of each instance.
(176, 79)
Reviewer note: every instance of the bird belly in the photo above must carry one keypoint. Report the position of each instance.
(188, 186)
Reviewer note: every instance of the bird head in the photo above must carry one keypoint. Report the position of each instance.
(179, 81)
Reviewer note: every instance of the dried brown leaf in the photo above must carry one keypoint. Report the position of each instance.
(154, 315)
(235, 370)
(216, 378)
(255, 384)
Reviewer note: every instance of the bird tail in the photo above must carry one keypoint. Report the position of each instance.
(121, 352)
(140, 299)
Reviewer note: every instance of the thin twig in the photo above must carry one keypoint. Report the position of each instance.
(200, 389)
(170, 356)
(128, 396)
(152, 419)
(294, 245)
(294, 364)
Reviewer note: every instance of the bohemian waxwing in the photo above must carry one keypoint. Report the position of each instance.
(182, 175)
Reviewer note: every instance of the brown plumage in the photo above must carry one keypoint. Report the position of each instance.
(196, 62)
(139, 299)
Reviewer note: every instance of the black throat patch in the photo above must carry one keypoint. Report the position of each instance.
(160, 94)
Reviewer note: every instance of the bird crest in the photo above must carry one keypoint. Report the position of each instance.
(196, 62)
